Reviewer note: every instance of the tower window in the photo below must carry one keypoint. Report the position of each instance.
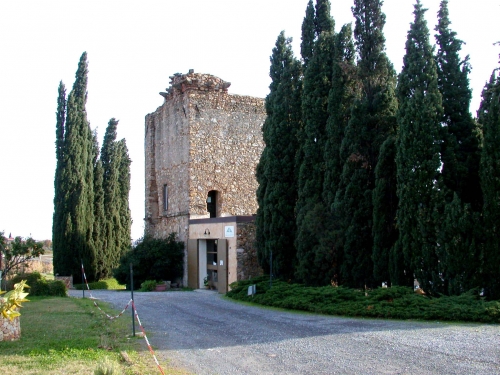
(165, 197)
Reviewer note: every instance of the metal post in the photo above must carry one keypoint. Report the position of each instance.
(83, 280)
(132, 293)
(271, 271)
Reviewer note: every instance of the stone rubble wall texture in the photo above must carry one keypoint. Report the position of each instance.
(10, 330)
(201, 139)
(67, 280)
(246, 253)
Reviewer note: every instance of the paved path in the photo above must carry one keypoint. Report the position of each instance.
(208, 334)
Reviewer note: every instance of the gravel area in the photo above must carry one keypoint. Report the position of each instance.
(207, 334)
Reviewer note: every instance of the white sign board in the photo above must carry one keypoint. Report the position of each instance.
(229, 231)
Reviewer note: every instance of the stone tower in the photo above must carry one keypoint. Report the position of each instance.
(201, 150)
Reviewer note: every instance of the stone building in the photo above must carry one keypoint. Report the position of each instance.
(201, 150)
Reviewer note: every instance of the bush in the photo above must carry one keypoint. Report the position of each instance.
(396, 302)
(148, 286)
(39, 286)
(152, 259)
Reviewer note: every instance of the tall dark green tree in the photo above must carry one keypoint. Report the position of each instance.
(310, 209)
(99, 219)
(460, 237)
(276, 169)
(461, 136)
(418, 156)
(489, 118)
(372, 121)
(111, 176)
(60, 260)
(124, 209)
(73, 241)
(344, 90)
(323, 21)
(308, 35)
(386, 261)
(116, 187)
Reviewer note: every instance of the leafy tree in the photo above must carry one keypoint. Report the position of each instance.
(19, 252)
(489, 117)
(152, 259)
(73, 229)
(372, 121)
(278, 192)
(418, 156)
(461, 136)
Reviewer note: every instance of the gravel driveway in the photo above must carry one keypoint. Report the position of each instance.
(207, 334)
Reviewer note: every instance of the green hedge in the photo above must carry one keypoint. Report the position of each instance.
(392, 303)
(39, 285)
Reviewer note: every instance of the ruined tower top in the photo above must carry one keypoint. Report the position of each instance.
(180, 83)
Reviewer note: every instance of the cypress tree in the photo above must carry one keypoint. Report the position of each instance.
(110, 165)
(460, 247)
(489, 118)
(418, 156)
(386, 263)
(308, 35)
(124, 209)
(461, 137)
(344, 90)
(74, 237)
(57, 221)
(323, 21)
(372, 121)
(263, 214)
(310, 209)
(278, 192)
(99, 219)
(115, 162)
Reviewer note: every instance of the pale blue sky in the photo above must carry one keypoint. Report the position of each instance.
(133, 47)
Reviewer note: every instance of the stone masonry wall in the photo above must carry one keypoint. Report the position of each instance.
(225, 147)
(200, 139)
(246, 252)
(10, 330)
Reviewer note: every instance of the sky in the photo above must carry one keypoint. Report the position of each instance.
(133, 47)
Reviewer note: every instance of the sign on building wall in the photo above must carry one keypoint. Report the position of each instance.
(229, 231)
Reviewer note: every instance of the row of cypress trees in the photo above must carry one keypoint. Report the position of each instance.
(92, 220)
(369, 177)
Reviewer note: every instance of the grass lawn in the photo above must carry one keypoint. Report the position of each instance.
(70, 336)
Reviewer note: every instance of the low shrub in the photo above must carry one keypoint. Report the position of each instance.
(394, 302)
(39, 286)
(148, 286)
(152, 259)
